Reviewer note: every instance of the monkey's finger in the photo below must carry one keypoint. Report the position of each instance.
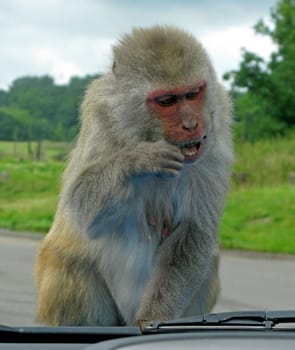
(168, 172)
(178, 156)
(170, 164)
(174, 154)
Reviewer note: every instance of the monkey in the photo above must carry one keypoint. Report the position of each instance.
(135, 234)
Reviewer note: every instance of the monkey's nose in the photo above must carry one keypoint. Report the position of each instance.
(191, 127)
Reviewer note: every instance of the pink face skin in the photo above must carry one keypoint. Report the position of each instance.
(181, 113)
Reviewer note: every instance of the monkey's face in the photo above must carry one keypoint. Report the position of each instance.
(180, 111)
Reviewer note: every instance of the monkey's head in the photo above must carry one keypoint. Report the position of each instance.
(170, 85)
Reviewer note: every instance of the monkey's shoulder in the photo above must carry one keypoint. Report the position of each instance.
(102, 86)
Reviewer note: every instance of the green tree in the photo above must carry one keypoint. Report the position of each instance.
(35, 108)
(16, 125)
(69, 100)
(3, 98)
(12, 119)
(37, 97)
(266, 90)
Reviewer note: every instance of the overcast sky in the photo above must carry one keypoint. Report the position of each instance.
(63, 38)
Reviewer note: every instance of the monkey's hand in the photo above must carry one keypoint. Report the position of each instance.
(96, 199)
(183, 264)
(160, 158)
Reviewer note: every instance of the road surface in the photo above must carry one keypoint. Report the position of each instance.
(249, 282)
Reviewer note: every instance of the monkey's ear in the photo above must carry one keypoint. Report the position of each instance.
(114, 67)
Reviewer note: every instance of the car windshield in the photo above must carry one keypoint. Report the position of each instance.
(147, 168)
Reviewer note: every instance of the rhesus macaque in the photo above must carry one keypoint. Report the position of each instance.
(135, 236)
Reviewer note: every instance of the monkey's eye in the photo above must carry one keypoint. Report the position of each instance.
(192, 95)
(166, 100)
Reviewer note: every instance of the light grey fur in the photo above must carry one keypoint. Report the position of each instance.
(122, 169)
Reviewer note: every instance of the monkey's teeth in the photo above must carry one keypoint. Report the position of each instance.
(190, 151)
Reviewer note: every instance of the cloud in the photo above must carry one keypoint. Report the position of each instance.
(224, 46)
(62, 39)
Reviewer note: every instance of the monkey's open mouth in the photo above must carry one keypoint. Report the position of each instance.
(191, 149)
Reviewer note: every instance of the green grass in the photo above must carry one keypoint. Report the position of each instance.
(34, 215)
(267, 162)
(29, 195)
(259, 214)
(260, 210)
(260, 219)
(19, 150)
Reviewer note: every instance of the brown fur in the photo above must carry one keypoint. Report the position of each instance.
(104, 261)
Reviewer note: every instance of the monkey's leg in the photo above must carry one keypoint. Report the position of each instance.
(183, 264)
(206, 297)
(71, 295)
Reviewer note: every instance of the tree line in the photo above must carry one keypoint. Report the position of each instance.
(264, 90)
(35, 108)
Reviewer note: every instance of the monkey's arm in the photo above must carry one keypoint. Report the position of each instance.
(183, 263)
(97, 198)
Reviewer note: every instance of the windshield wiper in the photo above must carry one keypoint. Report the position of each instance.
(226, 320)
(39, 334)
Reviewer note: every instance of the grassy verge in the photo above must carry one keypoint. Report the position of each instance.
(259, 214)
(265, 163)
(20, 150)
(261, 219)
(29, 194)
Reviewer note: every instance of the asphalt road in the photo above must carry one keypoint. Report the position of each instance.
(249, 282)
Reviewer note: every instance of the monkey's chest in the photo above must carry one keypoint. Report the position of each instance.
(162, 226)
(162, 210)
